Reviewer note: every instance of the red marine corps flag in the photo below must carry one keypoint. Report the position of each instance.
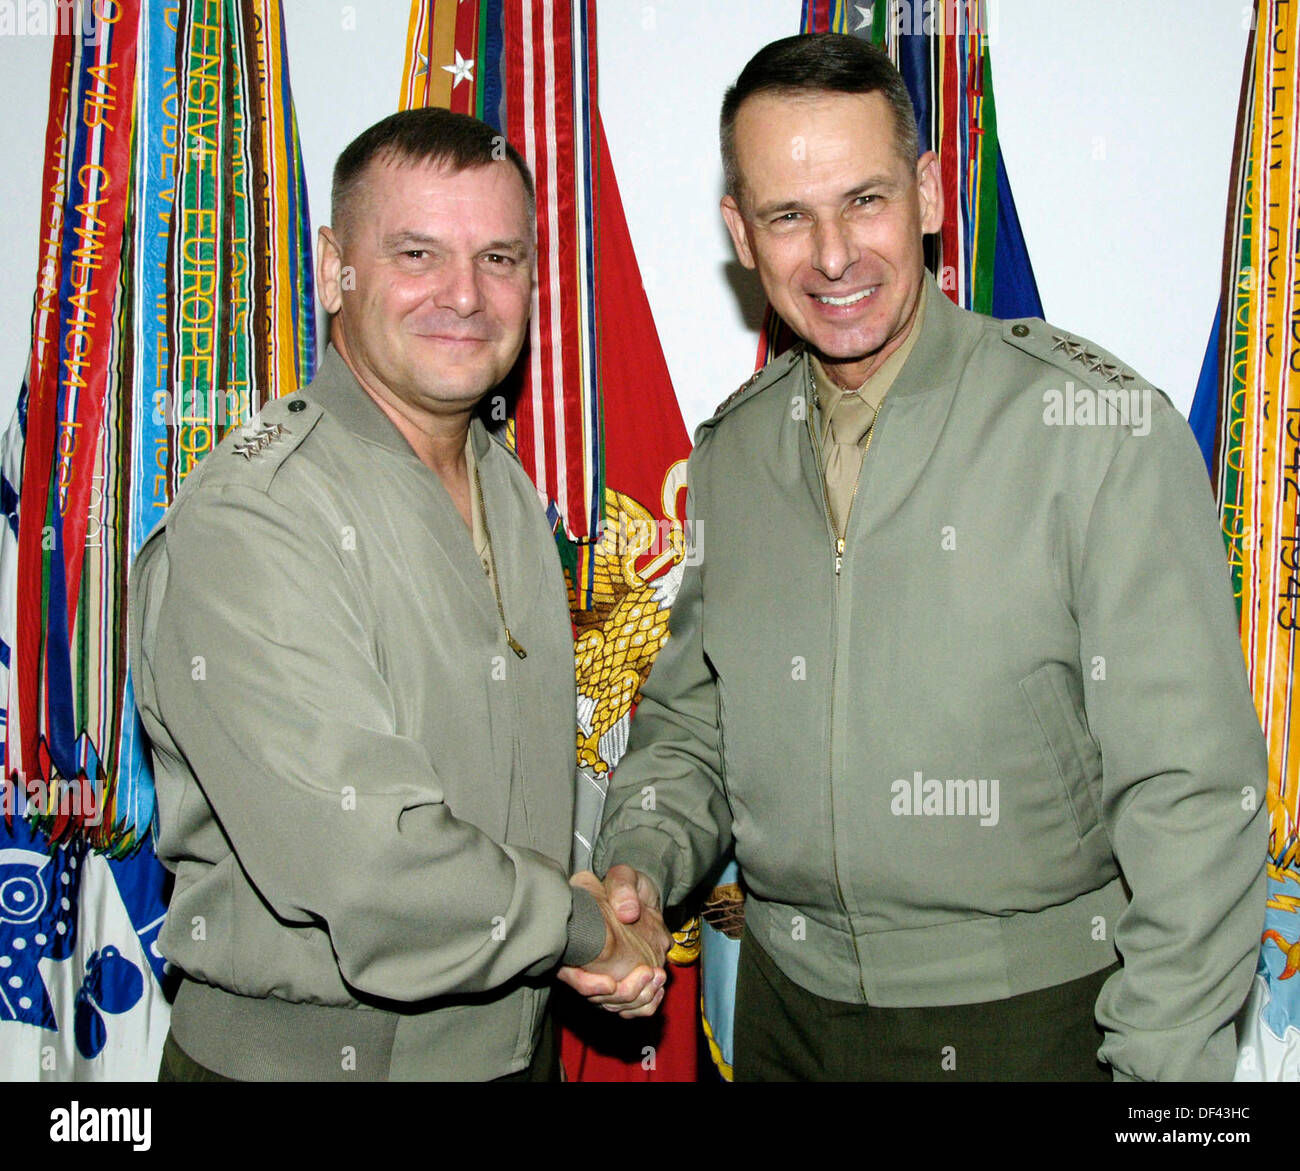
(620, 593)
(596, 423)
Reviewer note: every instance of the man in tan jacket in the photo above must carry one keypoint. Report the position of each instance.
(352, 653)
(957, 675)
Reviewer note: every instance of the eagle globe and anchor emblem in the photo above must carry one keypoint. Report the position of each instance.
(635, 571)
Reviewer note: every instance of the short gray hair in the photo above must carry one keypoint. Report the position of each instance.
(819, 62)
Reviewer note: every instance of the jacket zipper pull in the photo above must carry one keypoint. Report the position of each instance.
(839, 554)
(514, 646)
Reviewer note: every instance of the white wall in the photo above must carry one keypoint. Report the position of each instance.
(1116, 120)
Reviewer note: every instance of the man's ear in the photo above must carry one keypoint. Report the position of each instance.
(930, 192)
(739, 231)
(329, 271)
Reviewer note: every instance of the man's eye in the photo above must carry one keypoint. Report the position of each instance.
(789, 217)
(866, 200)
(499, 258)
(415, 253)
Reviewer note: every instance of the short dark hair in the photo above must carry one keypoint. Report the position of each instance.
(427, 134)
(818, 62)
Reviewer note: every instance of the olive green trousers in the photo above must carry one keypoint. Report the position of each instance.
(785, 1033)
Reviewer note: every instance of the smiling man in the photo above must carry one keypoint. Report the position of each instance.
(957, 674)
(352, 653)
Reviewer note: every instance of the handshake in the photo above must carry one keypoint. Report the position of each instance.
(628, 976)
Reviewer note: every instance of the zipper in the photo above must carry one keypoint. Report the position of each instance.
(516, 763)
(496, 586)
(838, 545)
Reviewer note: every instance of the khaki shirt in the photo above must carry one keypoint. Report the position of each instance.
(842, 473)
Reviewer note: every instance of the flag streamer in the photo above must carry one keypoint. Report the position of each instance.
(173, 297)
(1255, 460)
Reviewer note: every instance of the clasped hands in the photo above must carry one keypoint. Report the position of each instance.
(628, 976)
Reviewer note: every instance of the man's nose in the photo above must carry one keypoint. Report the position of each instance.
(458, 287)
(834, 250)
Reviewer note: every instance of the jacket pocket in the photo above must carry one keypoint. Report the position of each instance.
(532, 1004)
(1057, 712)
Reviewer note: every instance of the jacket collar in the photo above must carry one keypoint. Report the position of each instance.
(335, 390)
(941, 350)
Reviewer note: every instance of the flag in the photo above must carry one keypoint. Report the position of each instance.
(621, 591)
(595, 422)
(978, 257)
(1249, 394)
(172, 299)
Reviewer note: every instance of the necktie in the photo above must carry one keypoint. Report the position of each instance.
(850, 422)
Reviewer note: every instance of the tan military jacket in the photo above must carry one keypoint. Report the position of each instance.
(1000, 738)
(366, 797)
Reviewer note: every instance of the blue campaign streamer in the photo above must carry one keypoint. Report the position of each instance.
(1281, 927)
(1204, 416)
(719, 962)
(1015, 291)
(156, 164)
(156, 167)
(494, 94)
(58, 659)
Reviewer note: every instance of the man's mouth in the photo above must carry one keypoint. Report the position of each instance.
(850, 299)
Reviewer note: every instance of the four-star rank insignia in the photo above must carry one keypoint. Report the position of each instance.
(1079, 351)
(1071, 353)
(253, 441)
(777, 366)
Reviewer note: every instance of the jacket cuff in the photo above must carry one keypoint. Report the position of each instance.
(586, 930)
(648, 851)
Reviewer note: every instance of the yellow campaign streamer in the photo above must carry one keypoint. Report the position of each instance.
(1270, 452)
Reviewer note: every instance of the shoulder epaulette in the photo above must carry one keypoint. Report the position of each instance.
(1075, 355)
(252, 453)
(776, 368)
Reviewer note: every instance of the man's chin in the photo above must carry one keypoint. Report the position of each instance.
(840, 353)
(454, 394)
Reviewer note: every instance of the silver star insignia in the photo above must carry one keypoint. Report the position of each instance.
(254, 441)
(462, 70)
